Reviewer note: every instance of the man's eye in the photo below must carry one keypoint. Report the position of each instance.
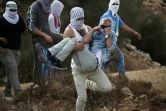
(115, 4)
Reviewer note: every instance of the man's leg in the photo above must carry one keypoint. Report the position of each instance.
(37, 66)
(63, 48)
(121, 66)
(120, 62)
(45, 68)
(79, 79)
(98, 81)
(52, 72)
(11, 59)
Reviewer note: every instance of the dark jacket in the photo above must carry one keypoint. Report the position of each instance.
(37, 18)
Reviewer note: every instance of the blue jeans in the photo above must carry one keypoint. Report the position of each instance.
(45, 68)
(119, 61)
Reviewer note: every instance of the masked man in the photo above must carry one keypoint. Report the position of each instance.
(37, 21)
(116, 24)
(11, 27)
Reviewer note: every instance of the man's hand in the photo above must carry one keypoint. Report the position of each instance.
(1, 50)
(97, 28)
(79, 46)
(107, 30)
(4, 40)
(48, 38)
(138, 35)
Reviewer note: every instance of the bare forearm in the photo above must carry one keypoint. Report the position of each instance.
(128, 29)
(109, 42)
(87, 38)
(40, 33)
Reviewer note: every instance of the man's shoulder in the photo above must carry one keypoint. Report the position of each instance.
(35, 5)
(69, 32)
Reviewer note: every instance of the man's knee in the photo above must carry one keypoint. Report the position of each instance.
(107, 88)
(12, 68)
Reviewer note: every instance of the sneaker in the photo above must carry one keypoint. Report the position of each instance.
(42, 52)
(8, 99)
(44, 56)
(18, 94)
(59, 66)
(125, 78)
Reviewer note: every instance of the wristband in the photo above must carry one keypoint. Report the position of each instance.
(106, 36)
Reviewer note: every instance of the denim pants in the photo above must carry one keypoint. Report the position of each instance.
(96, 81)
(119, 57)
(10, 59)
(45, 68)
(57, 37)
(120, 61)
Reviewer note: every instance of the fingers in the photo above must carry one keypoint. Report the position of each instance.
(1, 49)
(4, 40)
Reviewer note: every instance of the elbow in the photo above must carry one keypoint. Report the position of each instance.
(85, 41)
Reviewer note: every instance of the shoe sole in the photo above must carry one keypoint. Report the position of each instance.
(37, 46)
(42, 59)
(60, 68)
(39, 52)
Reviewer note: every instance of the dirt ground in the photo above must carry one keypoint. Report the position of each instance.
(156, 76)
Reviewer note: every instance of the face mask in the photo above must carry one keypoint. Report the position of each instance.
(77, 24)
(114, 6)
(75, 15)
(11, 12)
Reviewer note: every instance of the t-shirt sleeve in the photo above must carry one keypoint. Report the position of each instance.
(121, 23)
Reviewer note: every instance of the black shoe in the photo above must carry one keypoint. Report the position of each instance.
(59, 66)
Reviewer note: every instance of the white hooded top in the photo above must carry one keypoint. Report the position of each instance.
(54, 18)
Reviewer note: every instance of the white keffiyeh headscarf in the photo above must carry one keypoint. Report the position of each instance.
(76, 13)
(11, 17)
(114, 8)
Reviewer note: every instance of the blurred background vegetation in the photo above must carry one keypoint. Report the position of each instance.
(149, 24)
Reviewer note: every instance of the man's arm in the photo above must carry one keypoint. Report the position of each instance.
(68, 33)
(108, 37)
(130, 30)
(87, 38)
(4, 40)
(32, 13)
